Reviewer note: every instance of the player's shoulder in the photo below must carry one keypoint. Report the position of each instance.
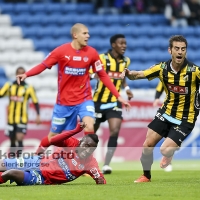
(90, 49)
(72, 142)
(192, 66)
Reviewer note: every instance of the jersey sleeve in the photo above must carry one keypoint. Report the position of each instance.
(198, 74)
(128, 62)
(159, 90)
(152, 72)
(96, 62)
(103, 60)
(93, 170)
(52, 58)
(4, 90)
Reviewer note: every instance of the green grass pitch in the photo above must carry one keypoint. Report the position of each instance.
(182, 183)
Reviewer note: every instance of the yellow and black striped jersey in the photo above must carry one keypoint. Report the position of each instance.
(19, 96)
(180, 89)
(113, 69)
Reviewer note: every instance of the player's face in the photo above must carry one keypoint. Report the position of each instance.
(20, 71)
(178, 52)
(86, 147)
(120, 46)
(83, 36)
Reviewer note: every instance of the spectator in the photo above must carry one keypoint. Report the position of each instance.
(155, 6)
(177, 12)
(194, 18)
(105, 7)
(124, 6)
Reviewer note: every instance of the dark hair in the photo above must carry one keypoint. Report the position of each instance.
(94, 137)
(115, 37)
(177, 38)
(19, 68)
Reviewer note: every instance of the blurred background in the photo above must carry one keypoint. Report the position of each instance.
(30, 29)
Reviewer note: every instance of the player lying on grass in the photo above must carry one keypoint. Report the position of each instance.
(71, 159)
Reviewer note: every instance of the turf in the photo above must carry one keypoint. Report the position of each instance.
(182, 183)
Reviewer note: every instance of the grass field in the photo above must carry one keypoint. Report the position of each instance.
(182, 183)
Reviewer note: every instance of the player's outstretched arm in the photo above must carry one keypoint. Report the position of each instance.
(32, 72)
(132, 75)
(67, 134)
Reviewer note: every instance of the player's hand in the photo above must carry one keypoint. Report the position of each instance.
(21, 77)
(129, 94)
(79, 127)
(100, 180)
(126, 72)
(156, 102)
(38, 121)
(126, 104)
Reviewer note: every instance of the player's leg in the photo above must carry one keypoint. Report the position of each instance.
(177, 134)
(63, 118)
(31, 177)
(20, 134)
(87, 115)
(157, 129)
(11, 133)
(114, 127)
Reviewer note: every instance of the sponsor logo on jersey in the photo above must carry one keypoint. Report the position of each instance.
(177, 89)
(58, 121)
(75, 71)
(77, 58)
(74, 162)
(81, 166)
(85, 59)
(95, 172)
(98, 65)
(114, 75)
(16, 98)
(90, 108)
(68, 57)
(66, 169)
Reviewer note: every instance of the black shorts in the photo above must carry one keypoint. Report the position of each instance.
(104, 114)
(177, 133)
(12, 129)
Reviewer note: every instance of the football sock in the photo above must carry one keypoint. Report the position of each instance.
(43, 145)
(147, 161)
(1, 179)
(88, 132)
(19, 148)
(112, 144)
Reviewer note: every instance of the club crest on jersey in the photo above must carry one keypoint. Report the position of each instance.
(185, 78)
(85, 58)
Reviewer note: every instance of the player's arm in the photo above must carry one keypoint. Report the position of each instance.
(132, 75)
(49, 61)
(58, 139)
(93, 170)
(34, 99)
(124, 83)
(4, 90)
(158, 93)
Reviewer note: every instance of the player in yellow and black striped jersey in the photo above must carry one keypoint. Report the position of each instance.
(19, 96)
(106, 105)
(176, 118)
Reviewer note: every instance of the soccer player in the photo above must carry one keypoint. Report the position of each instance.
(19, 96)
(176, 118)
(64, 165)
(107, 107)
(74, 96)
